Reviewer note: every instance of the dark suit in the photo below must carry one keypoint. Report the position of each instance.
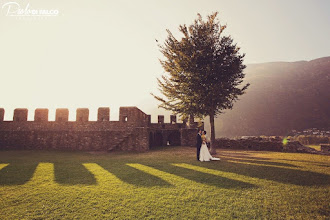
(198, 144)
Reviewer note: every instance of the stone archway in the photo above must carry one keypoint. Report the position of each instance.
(174, 138)
(151, 140)
(158, 139)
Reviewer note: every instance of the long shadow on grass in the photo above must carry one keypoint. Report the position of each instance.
(17, 173)
(242, 156)
(134, 176)
(278, 174)
(307, 161)
(204, 178)
(260, 161)
(73, 174)
(267, 160)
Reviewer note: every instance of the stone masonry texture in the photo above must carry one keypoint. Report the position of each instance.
(133, 132)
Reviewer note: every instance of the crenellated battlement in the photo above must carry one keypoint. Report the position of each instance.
(126, 114)
(41, 115)
(133, 130)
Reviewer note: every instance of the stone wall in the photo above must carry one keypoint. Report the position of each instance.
(41, 115)
(82, 115)
(325, 148)
(20, 114)
(103, 114)
(188, 137)
(64, 135)
(133, 131)
(62, 115)
(260, 144)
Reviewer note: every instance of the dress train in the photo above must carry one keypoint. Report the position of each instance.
(205, 154)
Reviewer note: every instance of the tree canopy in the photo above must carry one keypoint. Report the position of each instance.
(204, 71)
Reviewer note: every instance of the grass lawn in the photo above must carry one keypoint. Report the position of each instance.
(164, 183)
(316, 147)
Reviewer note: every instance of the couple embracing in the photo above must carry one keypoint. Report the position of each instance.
(203, 153)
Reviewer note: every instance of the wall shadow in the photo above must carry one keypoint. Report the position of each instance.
(133, 176)
(278, 174)
(17, 173)
(73, 174)
(200, 177)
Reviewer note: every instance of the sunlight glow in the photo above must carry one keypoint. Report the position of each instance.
(3, 165)
(285, 141)
(111, 58)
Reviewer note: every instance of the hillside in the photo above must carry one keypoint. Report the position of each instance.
(282, 96)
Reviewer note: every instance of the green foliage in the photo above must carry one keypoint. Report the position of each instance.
(204, 70)
(167, 183)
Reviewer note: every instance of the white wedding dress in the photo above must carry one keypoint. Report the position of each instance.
(204, 154)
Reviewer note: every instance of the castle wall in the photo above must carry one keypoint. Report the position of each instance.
(160, 119)
(41, 115)
(133, 132)
(62, 115)
(82, 115)
(20, 114)
(188, 137)
(73, 140)
(173, 119)
(2, 114)
(103, 114)
(133, 115)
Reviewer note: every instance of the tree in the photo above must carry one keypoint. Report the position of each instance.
(204, 71)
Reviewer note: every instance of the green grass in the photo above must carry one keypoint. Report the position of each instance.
(165, 183)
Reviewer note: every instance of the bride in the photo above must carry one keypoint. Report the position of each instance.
(204, 152)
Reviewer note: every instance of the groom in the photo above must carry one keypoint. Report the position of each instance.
(199, 142)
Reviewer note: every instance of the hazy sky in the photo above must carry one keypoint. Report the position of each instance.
(104, 53)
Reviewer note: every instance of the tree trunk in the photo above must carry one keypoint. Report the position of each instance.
(212, 147)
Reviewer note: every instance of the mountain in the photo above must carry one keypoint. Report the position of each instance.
(282, 96)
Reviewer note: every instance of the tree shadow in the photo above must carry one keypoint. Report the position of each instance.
(322, 165)
(133, 176)
(261, 162)
(17, 173)
(200, 177)
(265, 160)
(306, 161)
(234, 154)
(244, 157)
(73, 174)
(278, 174)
